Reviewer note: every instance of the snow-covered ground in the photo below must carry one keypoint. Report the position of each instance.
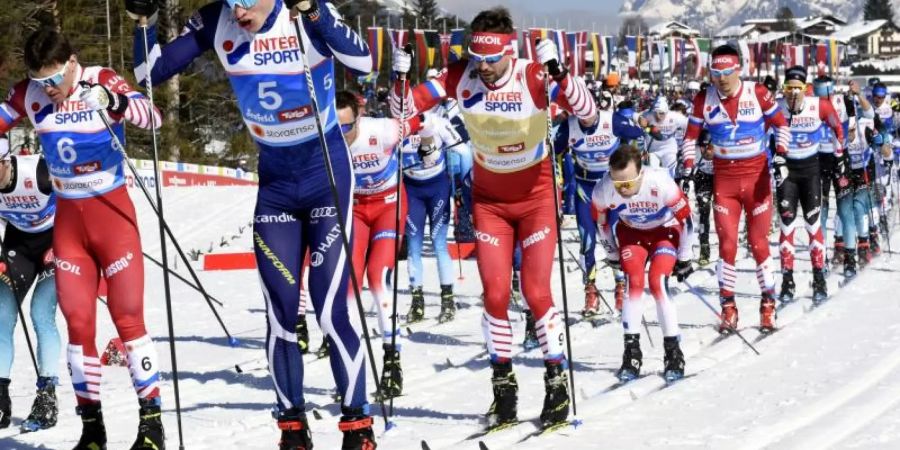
(829, 378)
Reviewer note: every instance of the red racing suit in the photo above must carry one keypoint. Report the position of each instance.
(512, 191)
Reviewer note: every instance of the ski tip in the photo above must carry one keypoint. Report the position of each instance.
(577, 423)
(390, 425)
(237, 368)
(232, 341)
(482, 445)
(425, 445)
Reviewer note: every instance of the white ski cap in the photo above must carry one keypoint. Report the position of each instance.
(693, 85)
(661, 105)
(431, 73)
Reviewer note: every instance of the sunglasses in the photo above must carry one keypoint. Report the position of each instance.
(490, 59)
(246, 4)
(346, 127)
(628, 184)
(53, 80)
(794, 88)
(718, 73)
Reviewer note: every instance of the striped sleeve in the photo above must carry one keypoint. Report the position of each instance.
(13, 109)
(428, 94)
(695, 125)
(139, 111)
(774, 118)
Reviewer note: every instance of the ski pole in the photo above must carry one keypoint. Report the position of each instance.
(335, 197)
(697, 293)
(399, 153)
(584, 271)
(118, 146)
(181, 278)
(453, 196)
(559, 245)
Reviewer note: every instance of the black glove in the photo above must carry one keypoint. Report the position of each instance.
(781, 169)
(682, 270)
(614, 264)
(142, 8)
(842, 167)
(309, 8)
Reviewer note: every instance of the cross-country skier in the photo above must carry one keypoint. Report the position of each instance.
(95, 231)
(852, 192)
(257, 44)
(591, 145)
(703, 189)
(665, 130)
(798, 177)
(644, 216)
(28, 204)
(737, 114)
(504, 105)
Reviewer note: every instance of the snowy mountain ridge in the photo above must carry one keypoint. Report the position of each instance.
(712, 15)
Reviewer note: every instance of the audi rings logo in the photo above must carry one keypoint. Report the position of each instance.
(320, 213)
(316, 259)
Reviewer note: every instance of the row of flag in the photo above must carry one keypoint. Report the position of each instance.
(681, 57)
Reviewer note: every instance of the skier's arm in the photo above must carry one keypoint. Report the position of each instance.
(570, 93)
(428, 94)
(336, 39)
(774, 118)
(625, 128)
(828, 115)
(138, 111)
(12, 111)
(164, 62)
(604, 217)
(694, 127)
(678, 203)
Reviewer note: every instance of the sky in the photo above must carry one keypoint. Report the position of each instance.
(591, 15)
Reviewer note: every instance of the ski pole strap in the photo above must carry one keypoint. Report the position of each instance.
(354, 425)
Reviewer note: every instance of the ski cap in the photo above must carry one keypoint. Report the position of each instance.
(879, 90)
(660, 105)
(693, 85)
(796, 73)
(431, 73)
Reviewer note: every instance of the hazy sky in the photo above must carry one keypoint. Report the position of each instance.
(571, 14)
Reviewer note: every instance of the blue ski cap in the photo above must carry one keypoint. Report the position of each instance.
(823, 87)
(879, 90)
(246, 4)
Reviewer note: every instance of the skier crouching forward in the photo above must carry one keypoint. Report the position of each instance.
(504, 103)
(643, 215)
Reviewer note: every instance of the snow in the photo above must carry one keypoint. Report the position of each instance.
(830, 377)
(861, 28)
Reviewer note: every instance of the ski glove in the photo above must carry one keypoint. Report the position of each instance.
(781, 169)
(142, 8)
(96, 97)
(309, 8)
(682, 270)
(548, 55)
(402, 61)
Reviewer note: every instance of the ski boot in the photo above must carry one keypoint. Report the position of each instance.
(44, 409)
(448, 304)
(863, 253)
(302, 332)
(556, 397)
(631, 359)
(849, 263)
(673, 359)
(503, 408)
(729, 315)
(620, 293)
(391, 373)
(874, 247)
(531, 340)
(417, 308)
(767, 314)
(324, 349)
(93, 433)
(788, 288)
(704, 255)
(295, 434)
(357, 429)
(820, 288)
(151, 435)
(838, 258)
(5, 403)
(591, 301)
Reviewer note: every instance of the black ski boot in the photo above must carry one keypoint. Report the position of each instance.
(302, 332)
(417, 308)
(324, 349)
(93, 433)
(788, 288)
(448, 304)
(151, 435)
(295, 434)
(5, 403)
(820, 287)
(357, 429)
(704, 255)
(556, 397)
(849, 263)
(503, 408)
(673, 359)
(44, 409)
(531, 340)
(391, 373)
(631, 359)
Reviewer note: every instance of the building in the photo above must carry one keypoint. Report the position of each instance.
(672, 29)
(870, 39)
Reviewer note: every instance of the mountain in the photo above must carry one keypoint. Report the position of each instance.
(713, 15)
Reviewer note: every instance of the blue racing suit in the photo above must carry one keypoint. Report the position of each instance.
(295, 211)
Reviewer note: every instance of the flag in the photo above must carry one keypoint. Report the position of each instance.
(661, 57)
(676, 54)
(457, 40)
(577, 51)
(427, 43)
(376, 44)
(597, 50)
(746, 60)
(821, 58)
(399, 38)
(701, 47)
(611, 52)
(631, 43)
(445, 49)
(562, 45)
(834, 55)
(533, 35)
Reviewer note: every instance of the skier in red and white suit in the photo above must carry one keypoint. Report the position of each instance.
(503, 103)
(644, 216)
(737, 114)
